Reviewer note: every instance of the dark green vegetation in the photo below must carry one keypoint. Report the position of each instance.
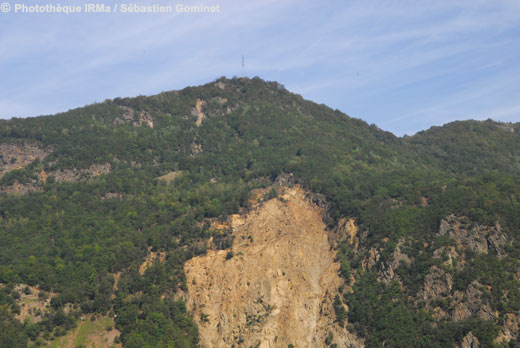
(70, 238)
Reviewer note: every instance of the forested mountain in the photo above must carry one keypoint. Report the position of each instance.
(101, 207)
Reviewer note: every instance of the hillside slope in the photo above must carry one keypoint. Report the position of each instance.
(105, 208)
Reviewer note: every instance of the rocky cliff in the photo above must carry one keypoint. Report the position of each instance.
(275, 286)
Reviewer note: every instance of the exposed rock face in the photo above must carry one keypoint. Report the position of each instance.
(470, 341)
(276, 287)
(507, 127)
(451, 255)
(20, 189)
(32, 306)
(470, 302)
(437, 284)
(197, 112)
(371, 260)
(196, 149)
(285, 179)
(509, 329)
(211, 108)
(348, 230)
(80, 174)
(388, 271)
(17, 156)
(220, 100)
(131, 117)
(150, 258)
(497, 240)
(478, 238)
(67, 175)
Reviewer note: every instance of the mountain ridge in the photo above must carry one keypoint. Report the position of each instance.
(505, 125)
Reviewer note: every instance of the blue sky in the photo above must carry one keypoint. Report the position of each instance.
(403, 65)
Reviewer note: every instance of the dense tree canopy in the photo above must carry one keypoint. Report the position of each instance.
(72, 238)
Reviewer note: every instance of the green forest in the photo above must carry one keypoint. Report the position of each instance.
(71, 237)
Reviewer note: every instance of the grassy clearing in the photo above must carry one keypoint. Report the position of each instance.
(89, 334)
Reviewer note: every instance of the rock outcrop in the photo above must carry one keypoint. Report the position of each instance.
(509, 329)
(470, 341)
(478, 238)
(74, 175)
(17, 156)
(437, 283)
(275, 286)
(389, 268)
(130, 116)
(197, 112)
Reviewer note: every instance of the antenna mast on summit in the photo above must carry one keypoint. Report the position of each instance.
(243, 67)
